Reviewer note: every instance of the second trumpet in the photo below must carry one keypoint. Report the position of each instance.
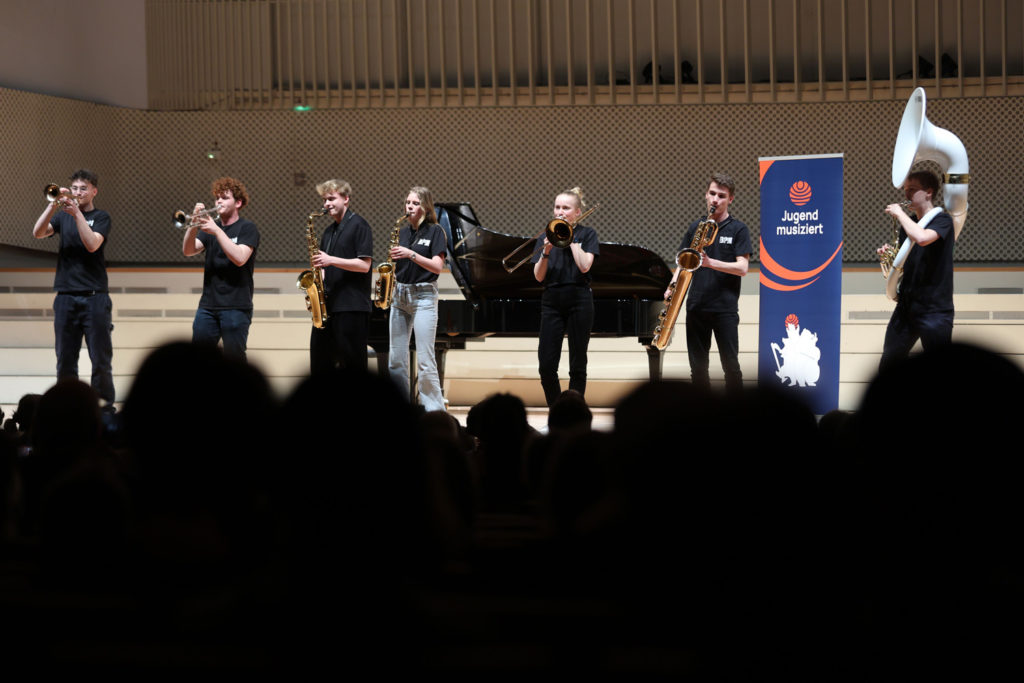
(184, 220)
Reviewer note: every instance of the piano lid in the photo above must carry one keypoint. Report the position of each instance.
(475, 253)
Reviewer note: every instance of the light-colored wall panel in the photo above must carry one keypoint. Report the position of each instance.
(645, 165)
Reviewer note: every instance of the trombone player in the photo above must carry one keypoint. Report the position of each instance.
(567, 305)
(82, 305)
(924, 309)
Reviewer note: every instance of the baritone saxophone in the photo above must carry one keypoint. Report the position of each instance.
(688, 260)
(312, 280)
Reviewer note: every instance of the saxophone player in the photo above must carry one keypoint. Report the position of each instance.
(419, 259)
(346, 253)
(712, 305)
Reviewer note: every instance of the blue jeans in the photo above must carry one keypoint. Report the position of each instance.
(88, 315)
(230, 325)
(414, 308)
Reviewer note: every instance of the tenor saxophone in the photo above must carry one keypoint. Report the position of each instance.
(312, 280)
(688, 260)
(384, 290)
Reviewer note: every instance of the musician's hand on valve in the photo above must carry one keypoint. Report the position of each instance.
(894, 209)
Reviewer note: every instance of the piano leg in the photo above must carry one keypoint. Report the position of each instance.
(654, 362)
(380, 352)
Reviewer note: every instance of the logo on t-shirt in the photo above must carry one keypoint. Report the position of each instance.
(725, 239)
(425, 242)
(235, 240)
(90, 221)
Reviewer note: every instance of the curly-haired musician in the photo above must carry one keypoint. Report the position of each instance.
(346, 254)
(82, 306)
(924, 309)
(230, 243)
(567, 305)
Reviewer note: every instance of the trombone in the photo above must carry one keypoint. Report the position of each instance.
(559, 233)
(184, 220)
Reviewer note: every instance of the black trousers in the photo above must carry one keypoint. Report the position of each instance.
(905, 328)
(85, 314)
(566, 310)
(341, 342)
(725, 326)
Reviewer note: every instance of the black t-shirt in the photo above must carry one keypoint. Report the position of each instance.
(713, 291)
(562, 268)
(226, 285)
(78, 269)
(350, 239)
(927, 284)
(427, 241)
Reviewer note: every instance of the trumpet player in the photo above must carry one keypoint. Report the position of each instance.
(346, 254)
(81, 307)
(567, 305)
(924, 309)
(230, 243)
(712, 304)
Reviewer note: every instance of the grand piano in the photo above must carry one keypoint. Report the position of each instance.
(629, 282)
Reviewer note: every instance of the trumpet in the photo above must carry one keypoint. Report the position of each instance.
(559, 233)
(55, 196)
(184, 220)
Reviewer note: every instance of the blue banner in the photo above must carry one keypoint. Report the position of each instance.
(801, 254)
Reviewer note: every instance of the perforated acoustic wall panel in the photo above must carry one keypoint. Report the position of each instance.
(647, 166)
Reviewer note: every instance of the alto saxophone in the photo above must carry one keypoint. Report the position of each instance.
(688, 260)
(384, 290)
(312, 280)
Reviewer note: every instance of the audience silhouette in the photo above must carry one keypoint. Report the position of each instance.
(709, 536)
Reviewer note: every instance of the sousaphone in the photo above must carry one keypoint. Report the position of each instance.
(919, 140)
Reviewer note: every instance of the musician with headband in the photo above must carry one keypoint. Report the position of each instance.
(82, 306)
(346, 253)
(712, 305)
(230, 243)
(924, 309)
(567, 305)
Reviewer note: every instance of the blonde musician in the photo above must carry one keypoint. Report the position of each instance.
(567, 305)
(346, 253)
(230, 243)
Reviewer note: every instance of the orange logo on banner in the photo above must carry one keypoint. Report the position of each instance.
(800, 193)
(770, 265)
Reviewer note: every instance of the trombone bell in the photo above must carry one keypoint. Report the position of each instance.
(559, 233)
